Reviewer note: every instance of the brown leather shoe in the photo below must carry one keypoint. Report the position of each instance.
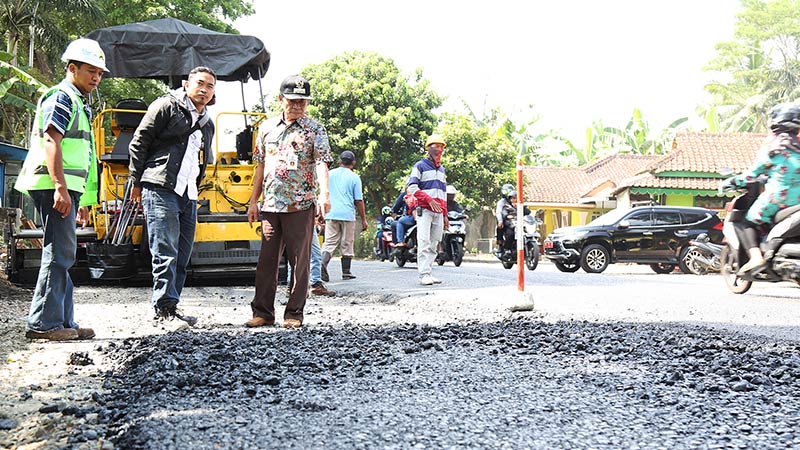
(63, 334)
(292, 323)
(259, 322)
(319, 289)
(85, 333)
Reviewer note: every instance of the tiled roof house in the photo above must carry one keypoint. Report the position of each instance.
(688, 175)
(691, 170)
(575, 186)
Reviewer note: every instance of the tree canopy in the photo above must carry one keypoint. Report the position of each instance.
(379, 113)
(479, 158)
(760, 67)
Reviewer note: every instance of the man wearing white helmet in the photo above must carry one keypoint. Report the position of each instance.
(60, 175)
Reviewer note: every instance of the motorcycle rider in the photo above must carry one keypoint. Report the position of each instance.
(408, 220)
(779, 160)
(452, 205)
(506, 206)
(386, 213)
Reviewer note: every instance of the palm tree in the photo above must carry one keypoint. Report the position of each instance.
(42, 21)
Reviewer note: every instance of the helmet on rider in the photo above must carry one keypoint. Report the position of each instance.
(386, 210)
(86, 51)
(512, 195)
(785, 118)
(506, 189)
(451, 190)
(435, 139)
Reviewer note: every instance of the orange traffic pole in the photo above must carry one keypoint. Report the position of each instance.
(520, 231)
(525, 300)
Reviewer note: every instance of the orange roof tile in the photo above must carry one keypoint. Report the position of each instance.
(569, 184)
(710, 152)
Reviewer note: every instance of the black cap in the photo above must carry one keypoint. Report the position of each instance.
(348, 157)
(294, 87)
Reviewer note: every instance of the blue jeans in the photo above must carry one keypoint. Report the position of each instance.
(403, 223)
(316, 261)
(52, 307)
(171, 221)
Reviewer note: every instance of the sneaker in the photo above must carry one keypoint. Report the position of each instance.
(170, 312)
(436, 280)
(426, 280)
(62, 334)
(348, 276)
(319, 289)
(85, 333)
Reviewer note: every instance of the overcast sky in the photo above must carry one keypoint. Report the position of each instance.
(574, 61)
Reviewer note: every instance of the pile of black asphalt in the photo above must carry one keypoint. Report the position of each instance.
(518, 383)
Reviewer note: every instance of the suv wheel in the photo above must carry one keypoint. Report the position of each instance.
(594, 258)
(567, 267)
(662, 268)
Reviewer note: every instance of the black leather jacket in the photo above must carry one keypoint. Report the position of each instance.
(159, 143)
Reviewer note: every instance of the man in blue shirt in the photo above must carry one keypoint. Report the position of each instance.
(340, 223)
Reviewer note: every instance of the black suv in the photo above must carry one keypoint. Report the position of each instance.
(654, 235)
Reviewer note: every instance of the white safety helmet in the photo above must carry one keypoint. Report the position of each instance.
(86, 51)
(451, 190)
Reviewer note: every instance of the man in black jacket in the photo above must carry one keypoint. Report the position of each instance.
(168, 156)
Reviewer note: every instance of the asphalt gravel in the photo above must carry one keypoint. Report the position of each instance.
(515, 383)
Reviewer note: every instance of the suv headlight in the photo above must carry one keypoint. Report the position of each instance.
(572, 238)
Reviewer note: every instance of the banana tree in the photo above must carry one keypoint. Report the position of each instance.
(19, 91)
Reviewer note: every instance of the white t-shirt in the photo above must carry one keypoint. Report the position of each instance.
(190, 166)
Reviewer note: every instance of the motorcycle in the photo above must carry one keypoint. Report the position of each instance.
(453, 240)
(530, 237)
(780, 245)
(408, 252)
(383, 241)
(703, 256)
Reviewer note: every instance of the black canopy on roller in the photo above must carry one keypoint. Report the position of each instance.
(168, 49)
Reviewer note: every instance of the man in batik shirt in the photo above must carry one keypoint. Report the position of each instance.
(292, 155)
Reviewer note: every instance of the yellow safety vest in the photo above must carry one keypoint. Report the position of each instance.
(77, 153)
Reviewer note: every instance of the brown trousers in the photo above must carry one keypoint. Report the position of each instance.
(292, 231)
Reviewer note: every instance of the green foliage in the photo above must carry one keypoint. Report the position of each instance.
(113, 90)
(380, 114)
(635, 138)
(19, 91)
(478, 158)
(56, 22)
(214, 15)
(761, 67)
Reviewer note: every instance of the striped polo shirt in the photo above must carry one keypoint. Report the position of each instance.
(57, 109)
(429, 179)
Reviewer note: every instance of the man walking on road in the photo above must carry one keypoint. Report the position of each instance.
(292, 155)
(428, 185)
(60, 174)
(168, 156)
(340, 223)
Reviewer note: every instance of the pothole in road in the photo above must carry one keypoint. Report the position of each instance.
(538, 385)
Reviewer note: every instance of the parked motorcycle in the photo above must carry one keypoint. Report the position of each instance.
(453, 240)
(530, 237)
(408, 252)
(703, 256)
(383, 240)
(781, 245)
